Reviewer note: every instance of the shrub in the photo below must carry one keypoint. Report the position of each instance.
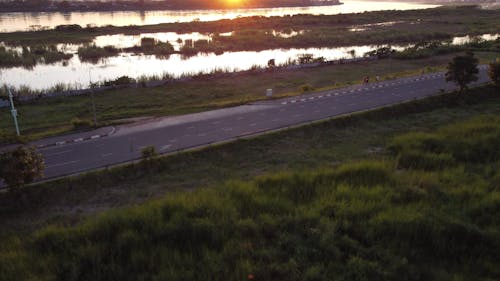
(21, 166)
(149, 153)
(494, 72)
(79, 124)
(412, 159)
(306, 88)
(94, 53)
(365, 173)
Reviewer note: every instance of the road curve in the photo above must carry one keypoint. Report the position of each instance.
(188, 131)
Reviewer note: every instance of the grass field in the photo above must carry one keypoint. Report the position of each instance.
(405, 193)
(321, 145)
(53, 116)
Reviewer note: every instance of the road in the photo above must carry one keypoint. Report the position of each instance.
(183, 132)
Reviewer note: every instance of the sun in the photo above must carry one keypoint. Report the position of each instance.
(233, 3)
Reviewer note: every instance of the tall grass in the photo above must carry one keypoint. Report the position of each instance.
(364, 220)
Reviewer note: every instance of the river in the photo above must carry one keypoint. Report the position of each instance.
(26, 21)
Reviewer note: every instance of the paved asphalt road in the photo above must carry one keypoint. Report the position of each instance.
(182, 132)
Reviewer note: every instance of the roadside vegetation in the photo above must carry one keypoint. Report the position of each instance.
(51, 116)
(424, 207)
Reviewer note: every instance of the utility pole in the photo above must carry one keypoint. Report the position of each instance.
(92, 98)
(13, 110)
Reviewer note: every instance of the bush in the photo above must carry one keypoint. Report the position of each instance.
(426, 161)
(123, 80)
(21, 166)
(306, 88)
(80, 124)
(149, 153)
(494, 72)
(365, 173)
(93, 53)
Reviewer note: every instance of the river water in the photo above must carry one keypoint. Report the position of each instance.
(78, 74)
(26, 21)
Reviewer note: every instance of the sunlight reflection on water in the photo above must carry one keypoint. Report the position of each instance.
(24, 21)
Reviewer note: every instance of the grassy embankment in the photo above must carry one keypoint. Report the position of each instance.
(309, 147)
(427, 208)
(52, 116)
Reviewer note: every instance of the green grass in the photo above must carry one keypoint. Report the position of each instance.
(52, 116)
(365, 219)
(321, 145)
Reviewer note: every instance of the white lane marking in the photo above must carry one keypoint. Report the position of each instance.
(60, 142)
(165, 147)
(58, 153)
(62, 164)
(311, 98)
(328, 95)
(302, 99)
(216, 122)
(293, 101)
(253, 125)
(284, 103)
(95, 137)
(106, 155)
(320, 97)
(78, 140)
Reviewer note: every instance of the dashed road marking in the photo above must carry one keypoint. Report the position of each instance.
(165, 147)
(58, 153)
(62, 164)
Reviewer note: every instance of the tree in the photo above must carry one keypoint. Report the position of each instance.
(462, 70)
(494, 72)
(21, 166)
